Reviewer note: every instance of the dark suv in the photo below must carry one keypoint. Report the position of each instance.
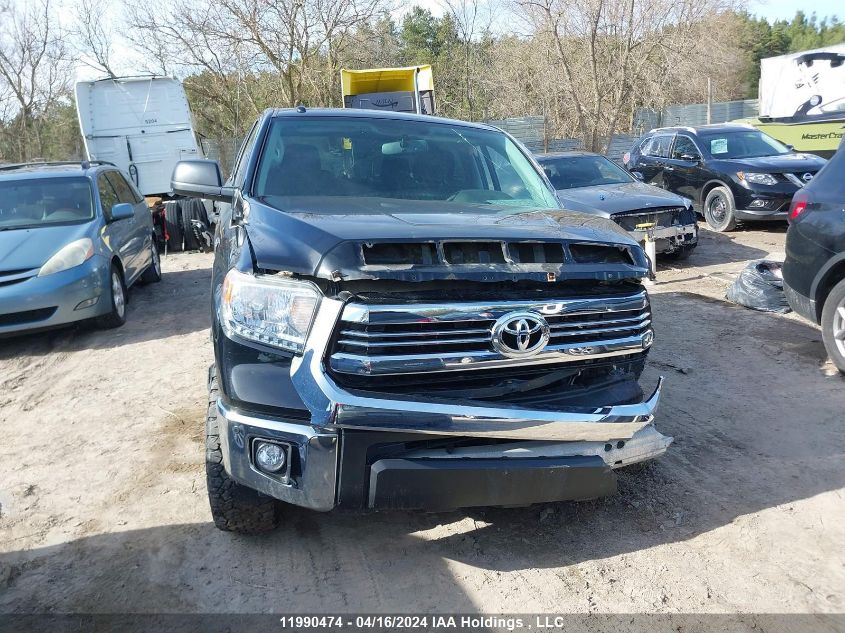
(731, 172)
(814, 271)
(404, 317)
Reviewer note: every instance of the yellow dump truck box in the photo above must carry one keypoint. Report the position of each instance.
(396, 89)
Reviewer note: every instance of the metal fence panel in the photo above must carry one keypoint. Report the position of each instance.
(695, 114)
(526, 129)
(619, 144)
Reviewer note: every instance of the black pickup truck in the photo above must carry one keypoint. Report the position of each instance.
(404, 317)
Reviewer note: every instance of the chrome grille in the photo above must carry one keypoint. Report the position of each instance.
(380, 339)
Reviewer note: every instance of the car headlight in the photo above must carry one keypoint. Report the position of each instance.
(70, 255)
(756, 179)
(265, 309)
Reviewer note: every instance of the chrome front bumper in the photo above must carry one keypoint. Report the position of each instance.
(313, 482)
(620, 435)
(333, 407)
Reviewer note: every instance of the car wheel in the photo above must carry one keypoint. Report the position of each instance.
(117, 298)
(719, 210)
(234, 508)
(153, 272)
(833, 325)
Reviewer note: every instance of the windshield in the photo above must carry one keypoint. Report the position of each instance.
(744, 144)
(571, 172)
(408, 160)
(837, 105)
(35, 202)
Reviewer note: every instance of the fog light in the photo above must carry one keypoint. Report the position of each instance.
(86, 304)
(270, 457)
(757, 204)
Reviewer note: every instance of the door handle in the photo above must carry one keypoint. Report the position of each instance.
(669, 168)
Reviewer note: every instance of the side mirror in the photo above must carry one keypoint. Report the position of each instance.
(200, 179)
(637, 174)
(791, 148)
(122, 211)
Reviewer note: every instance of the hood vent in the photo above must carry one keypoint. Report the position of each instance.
(600, 254)
(536, 252)
(473, 252)
(486, 253)
(395, 253)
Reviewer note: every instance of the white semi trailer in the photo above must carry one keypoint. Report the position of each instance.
(141, 124)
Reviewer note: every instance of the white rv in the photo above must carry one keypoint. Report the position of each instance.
(141, 124)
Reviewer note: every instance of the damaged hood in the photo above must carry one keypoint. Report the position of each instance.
(607, 200)
(323, 236)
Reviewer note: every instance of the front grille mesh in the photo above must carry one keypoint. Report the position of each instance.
(434, 338)
(392, 339)
(27, 316)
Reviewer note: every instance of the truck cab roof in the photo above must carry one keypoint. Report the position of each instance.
(354, 113)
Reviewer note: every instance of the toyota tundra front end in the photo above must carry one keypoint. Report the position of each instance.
(403, 317)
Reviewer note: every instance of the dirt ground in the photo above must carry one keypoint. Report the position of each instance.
(104, 505)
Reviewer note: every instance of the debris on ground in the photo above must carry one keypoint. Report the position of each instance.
(760, 287)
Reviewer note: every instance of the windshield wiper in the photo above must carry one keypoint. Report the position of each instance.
(22, 226)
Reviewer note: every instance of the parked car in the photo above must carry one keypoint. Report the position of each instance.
(594, 184)
(73, 238)
(731, 172)
(814, 270)
(404, 317)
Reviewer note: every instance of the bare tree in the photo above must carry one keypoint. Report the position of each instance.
(93, 39)
(473, 21)
(609, 52)
(34, 69)
(295, 45)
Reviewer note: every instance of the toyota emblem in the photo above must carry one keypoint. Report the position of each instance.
(520, 334)
(807, 177)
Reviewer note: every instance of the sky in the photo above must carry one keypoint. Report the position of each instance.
(785, 9)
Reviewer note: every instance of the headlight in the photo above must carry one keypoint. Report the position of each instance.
(69, 256)
(756, 179)
(275, 312)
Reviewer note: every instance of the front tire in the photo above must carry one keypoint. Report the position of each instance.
(833, 325)
(117, 298)
(153, 272)
(234, 508)
(719, 210)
